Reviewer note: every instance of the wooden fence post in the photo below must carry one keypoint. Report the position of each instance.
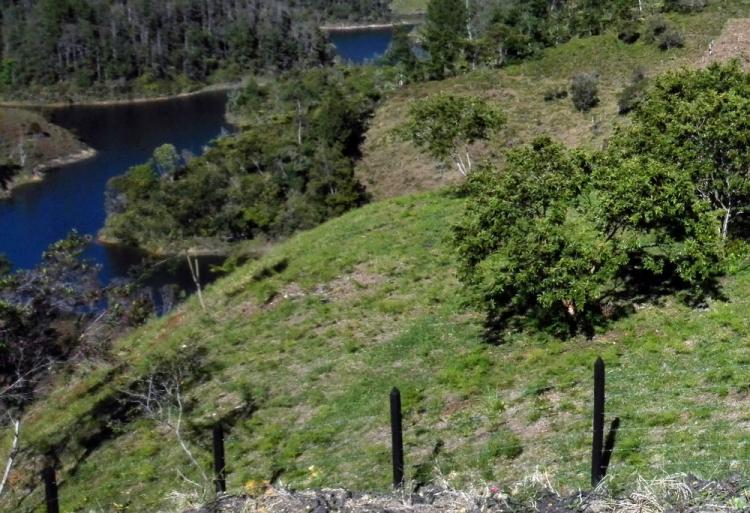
(397, 442)
(597, 446)
(50, 490)
(219, 459)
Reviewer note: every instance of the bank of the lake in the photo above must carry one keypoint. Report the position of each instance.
(38, 173)
(30, 145)
(93, 100)
(365, 27)
(73, 196)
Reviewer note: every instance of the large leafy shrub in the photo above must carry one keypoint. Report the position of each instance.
(699, 122)
(564, 239)
(445, 126)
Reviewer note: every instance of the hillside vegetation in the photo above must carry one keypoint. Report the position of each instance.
(297, 351)
(92, 49)
(391, 166)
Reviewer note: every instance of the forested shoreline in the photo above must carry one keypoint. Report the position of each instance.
(104, 48)
(289, 167)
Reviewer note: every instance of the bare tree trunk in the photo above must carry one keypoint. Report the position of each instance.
(463, 162)
(12, 455)
(725, 223)
(299, 123)
(195, 272)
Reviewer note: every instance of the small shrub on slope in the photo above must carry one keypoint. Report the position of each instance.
(584, 91)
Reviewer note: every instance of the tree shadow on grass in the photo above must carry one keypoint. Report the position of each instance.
(635, 287)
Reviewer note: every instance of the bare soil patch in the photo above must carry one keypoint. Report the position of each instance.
(733, 43)
(349, 285)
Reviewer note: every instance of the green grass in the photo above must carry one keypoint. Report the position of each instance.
(406, 7)
(372, 302)
(301, 348)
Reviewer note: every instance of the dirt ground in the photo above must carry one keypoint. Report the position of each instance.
(676, 494)
(733, 43)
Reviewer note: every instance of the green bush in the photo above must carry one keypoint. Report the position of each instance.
(562, 239)
(584, 91)
(672, 38)
(629, 33)
(655, 27)
(633, 93)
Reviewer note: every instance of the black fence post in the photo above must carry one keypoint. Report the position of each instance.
(597, 448)
(219, 459)
(397, 442)
(50, 490)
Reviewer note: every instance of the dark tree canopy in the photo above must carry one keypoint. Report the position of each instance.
(106, 41)
(291, 169)
(54, 312)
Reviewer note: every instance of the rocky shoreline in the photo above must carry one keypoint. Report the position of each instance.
(366, 27)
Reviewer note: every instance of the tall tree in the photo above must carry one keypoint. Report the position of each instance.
(444, 35)
(699, 120)
(445, 126)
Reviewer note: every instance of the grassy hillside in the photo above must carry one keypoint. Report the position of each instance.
(392, 167)
(300, 350)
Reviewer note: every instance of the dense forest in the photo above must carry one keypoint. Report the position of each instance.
(459, 35)
(114, 43)
(289, 168)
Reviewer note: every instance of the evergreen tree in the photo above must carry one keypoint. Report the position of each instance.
(400, 53)
(445, 33)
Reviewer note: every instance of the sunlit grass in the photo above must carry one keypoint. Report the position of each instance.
(301, 348)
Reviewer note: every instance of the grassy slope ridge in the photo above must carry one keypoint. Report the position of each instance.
(391, 167)
(314, 348)
(311, 338)
(46, 145)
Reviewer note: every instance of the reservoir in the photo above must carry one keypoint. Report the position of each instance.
(72, 197)
(362, 45)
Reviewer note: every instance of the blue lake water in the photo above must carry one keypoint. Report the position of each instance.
(72, 197)
(361, 46)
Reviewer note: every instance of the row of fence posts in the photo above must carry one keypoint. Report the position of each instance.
(601, 452)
